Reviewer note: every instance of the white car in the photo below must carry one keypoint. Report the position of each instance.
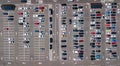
(35, 15)
(80, 10)
(20, 21)
(25, 26)
(118, 10)
(107, 17)
(97, 35)
(92, 22)
(98, 30)
(20, 8)
(26, 46)
(113, 35)
(75, 51)
(107, 58)
(70, 0)
(10, 40)
(107, 39)
(63, 26)
(42, 26)
(21, 18)
(74, 25)
(25, 34)
(26, 39)
(107, 4)
(108, 49)
(25, 15)
(91, 27)
(41, 35)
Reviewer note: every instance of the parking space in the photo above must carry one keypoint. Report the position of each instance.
(9, 36)
(95, 34)
(111, 31)
(85, 34)
(40, 31)
(78, 36)
(63, 32)
(23, 32)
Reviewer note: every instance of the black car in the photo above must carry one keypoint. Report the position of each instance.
(50, 31)
(50, 46)
(113, 33)
(51, 40)
(64, 58)
(114, 6)
(51, 11)
(10, 16)
(70, 21)
(64, 4)
(51, 19)
(64, 53)
(26, 41)
(5, 13)
(63, 46)
(63, 40)
(11, 19)
(75, 35)
(92, 25)
(75, 30)
(75, 43)
(81, 35)
(97, 27)
(98, 50)
(81, 45)
(23, 1)
(80, 7)
(41, 15)
(75, 40)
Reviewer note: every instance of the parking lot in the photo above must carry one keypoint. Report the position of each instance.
(85, 34)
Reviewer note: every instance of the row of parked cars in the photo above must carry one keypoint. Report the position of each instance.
(39, 27)
(111, 32)
(63, 31)
(22, 22)
(78, 32)
(95, 34)
(50, 11)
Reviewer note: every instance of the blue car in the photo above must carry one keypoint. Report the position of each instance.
(107, 12)
(113, 27)
(113, 40)
(36, 30)
(98, 57)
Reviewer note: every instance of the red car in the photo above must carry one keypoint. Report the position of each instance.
(41, 7)
(107, 25)
(92, 33)
(36, 23)
(6, 28)
(108, 43)
(20, 13)
(112, 16)
(113, 42)
(98, 15)
(81, 40)
(108, 35)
